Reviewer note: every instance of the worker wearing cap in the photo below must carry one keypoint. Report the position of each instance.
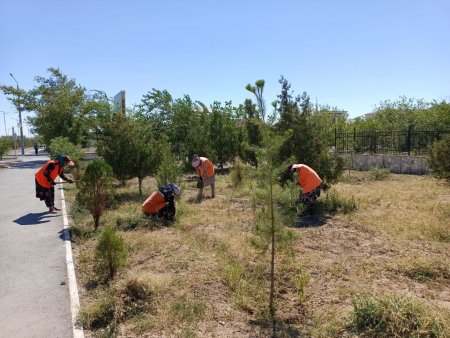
(206, 173)
(310, 182)
(161, 203)
(45, 180)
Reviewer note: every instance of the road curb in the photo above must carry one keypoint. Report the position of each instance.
(73, 289)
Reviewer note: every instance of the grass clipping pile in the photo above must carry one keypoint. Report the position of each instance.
(380, 270)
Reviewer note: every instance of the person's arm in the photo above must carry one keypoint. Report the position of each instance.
(65, 178)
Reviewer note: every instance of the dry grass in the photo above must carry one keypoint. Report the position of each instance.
(204, 279)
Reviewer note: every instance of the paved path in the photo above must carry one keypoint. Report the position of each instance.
(34, 287)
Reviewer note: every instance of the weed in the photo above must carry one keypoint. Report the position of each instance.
(379, 174)
(187, 311)
(334, 202)
(300, 281)
(97, 314)
(394, 316)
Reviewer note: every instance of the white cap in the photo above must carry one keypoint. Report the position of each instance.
(195, 161)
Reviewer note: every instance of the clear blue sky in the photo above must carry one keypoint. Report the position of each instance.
(349, 54)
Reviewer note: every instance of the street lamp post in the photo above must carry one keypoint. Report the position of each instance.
(20, 116)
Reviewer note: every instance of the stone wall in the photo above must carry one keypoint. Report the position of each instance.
(399, 164)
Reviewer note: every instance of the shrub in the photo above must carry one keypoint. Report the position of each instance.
(4, 147)
(62, 146)
(238, 172)
(439, 158)
(95, 189)
(379, 174)
(394, 316)
(111, 253)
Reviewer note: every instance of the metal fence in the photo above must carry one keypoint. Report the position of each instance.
(410, 141)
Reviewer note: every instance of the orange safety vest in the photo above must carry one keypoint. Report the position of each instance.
(154, 203)
(207, 165)
(42, 180)
(307, 177)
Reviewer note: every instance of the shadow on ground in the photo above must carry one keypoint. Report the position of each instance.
(311, 221)
(35, 218)
(36, 164)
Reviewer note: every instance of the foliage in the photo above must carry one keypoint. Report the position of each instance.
(169, 170)
(111, 253)
(394, 316)
(5, 146)
(95, 189)
(303, 141)
(258, 89)
(57, 102)
(439, 158)
(238, 172)
(62, 146)
(128, 145)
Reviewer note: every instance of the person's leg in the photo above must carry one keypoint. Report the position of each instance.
(200, 195)
(213, 190)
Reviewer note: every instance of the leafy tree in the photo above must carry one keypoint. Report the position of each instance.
(223, 133)
(439, 158)
(95, 191)
(57, 102)
(111, 253)
(62, 146)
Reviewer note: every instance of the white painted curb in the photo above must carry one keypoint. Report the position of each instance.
(73, 289)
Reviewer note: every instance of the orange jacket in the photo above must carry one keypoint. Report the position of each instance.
(42, 179)
(154, 203)
(307, 177)
(205, 163)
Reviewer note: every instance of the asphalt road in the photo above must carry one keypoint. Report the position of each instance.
(34, 291)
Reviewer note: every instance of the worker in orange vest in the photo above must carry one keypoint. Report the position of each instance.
(161, 203)
(309, 181)
(206, 173)
(45, 180)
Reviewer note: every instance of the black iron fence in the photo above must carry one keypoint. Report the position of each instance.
(410, 141)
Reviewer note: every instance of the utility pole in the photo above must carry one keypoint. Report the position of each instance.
(20, 116)
(4, 120)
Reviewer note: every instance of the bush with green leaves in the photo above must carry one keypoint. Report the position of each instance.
(439, 159)
(62, 146)
(110, 253)
(5, 146)
(95, 191)
(393, 315)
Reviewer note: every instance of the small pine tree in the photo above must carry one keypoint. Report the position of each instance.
(273, 207)
(4, 147)
(439, 159)
(111, 253)
(95, 189)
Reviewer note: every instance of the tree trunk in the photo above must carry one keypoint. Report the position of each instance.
(272, 260)
(140, 179)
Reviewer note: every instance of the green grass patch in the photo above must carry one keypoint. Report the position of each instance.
(395, 316)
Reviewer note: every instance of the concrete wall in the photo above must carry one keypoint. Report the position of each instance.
(399, 164)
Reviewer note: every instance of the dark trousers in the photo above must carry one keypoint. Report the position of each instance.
(167, 213)
(45, 194)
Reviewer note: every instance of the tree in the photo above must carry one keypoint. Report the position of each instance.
(95, 191)
(62, 146)
(57, 102)
(274, 210)
(111, 253)
(258, 89)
